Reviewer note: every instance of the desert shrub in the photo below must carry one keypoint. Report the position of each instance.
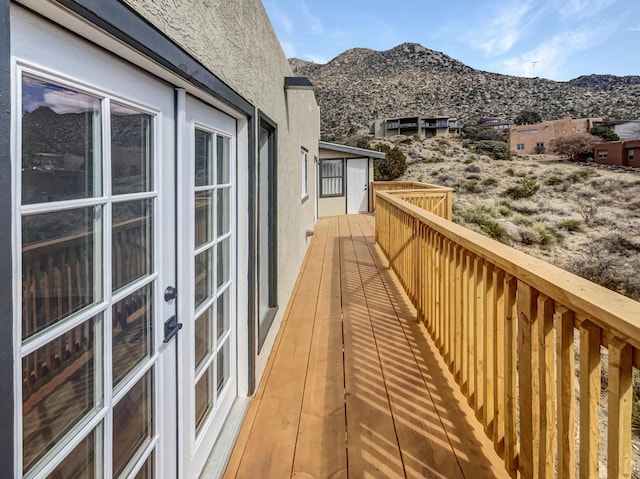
(498, 150)
(520, 220)
(540, 234)
(509, 171)
(471, 186)
(572, 225)
(525, 188)
(579, 176)
(504, 211)
(472, 168)
(554, 180)
(574, 147)
(473, 133)
(491, 181)
(363, 142)
(525, 207)
(468, 160)
(588, 208)
(473, 177)
(494, 230)
(391, 166)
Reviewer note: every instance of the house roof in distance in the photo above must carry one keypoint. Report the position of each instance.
(351, 149)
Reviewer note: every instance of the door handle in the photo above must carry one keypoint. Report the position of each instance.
(170, 293)
(171, 328)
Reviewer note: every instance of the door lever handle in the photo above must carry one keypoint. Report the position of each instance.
(171, 328)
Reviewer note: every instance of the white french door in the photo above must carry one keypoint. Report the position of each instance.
(207, 265)
(95, 251)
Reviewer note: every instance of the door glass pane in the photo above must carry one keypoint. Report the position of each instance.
(132, 332)
(203, 158)
(203, 218)
(223, 313)
(222, 156)
(204, 337)
(146, 472)
(132, 424)
(81, 462)
(204, 399)
(61, 140)
(203, 277)
(131, 150)
(222, 367)
(223, 262)
(223, 211)
(131, 242)
(58, 266)
(60, 389)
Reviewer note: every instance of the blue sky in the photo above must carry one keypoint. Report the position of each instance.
(555, 39)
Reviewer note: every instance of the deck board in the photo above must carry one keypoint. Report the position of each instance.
(386, 407)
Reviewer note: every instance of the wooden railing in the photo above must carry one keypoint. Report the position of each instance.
(434, 198)
(505, 324)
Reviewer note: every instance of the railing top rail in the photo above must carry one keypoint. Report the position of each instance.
(610, 310)
(414, 184)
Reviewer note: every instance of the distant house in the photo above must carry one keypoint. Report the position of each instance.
(419, 126)
(344, 176)
(493, 123)
(534, 139)
(618, 153)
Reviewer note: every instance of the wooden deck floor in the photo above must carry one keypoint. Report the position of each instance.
(354, 387)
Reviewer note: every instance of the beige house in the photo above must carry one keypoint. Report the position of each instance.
(534, 139)
(157, 173)
(419, 126)
(344, 176)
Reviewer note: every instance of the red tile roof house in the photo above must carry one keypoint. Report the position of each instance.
(618, 153)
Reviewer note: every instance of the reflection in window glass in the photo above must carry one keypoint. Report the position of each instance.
(203, 337)
(132, 320)
(224, 225)
(133, 424)
(59, 389)
(223, 262)
(222, 367)
(58, 266)
(223, 313)
(203, 277)
(61, 142)
(203, 218)
(132, 241)
(204, 399)
(131, 150)
(146, 472)
(203, 158)
(81, 462)
(222, 156)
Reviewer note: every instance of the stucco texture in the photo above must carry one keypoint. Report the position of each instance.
(234, 39)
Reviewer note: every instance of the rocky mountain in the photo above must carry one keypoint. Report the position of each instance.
(361, 85)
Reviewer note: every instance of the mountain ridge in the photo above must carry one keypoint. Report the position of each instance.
(362, 84)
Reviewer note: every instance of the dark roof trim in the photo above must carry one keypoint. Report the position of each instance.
(128, 26)
(351, 149)
(297, 83)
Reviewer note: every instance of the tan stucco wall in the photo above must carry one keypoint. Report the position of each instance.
(332, 206)
(544, 132)
(235, 41)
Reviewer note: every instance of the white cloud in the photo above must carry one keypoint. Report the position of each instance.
(313, 22)
(582, 8)
(282, 18)
(315, 58)
(288, 49)
(503, 31)
(547, 58)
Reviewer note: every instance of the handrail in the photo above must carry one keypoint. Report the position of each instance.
(444, 192)
(497, 315)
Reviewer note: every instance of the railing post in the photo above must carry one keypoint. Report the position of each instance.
(566, 393)
(590, 370)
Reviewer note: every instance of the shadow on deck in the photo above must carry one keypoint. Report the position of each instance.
(354, 386)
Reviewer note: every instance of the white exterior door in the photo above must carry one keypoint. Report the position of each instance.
(94, 216)
(207, 265)
(357, 185)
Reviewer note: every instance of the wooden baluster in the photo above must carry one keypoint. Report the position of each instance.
(429, 266)
(529, 387)
(471, 331)
(620, 405)
(466, 278)
(489, 325)
(446, 299)
(566, 393)
(546, 380)
(451, 319)
(478, 325)
(499, 359)
(590, 370)
(437, 289)
(511, 442)
(459, 308)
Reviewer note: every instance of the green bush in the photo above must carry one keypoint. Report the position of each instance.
(554, 180)
(579, 176)
(509, 171)
(498, 150)
(525, 188)
(470, 186)
(393, 165)
(571, 224)
(491, 181)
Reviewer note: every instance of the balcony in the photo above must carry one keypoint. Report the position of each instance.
(413, 347)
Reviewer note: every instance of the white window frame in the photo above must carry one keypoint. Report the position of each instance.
(304, 173)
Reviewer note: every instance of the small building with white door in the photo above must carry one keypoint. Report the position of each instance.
(344, 176)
